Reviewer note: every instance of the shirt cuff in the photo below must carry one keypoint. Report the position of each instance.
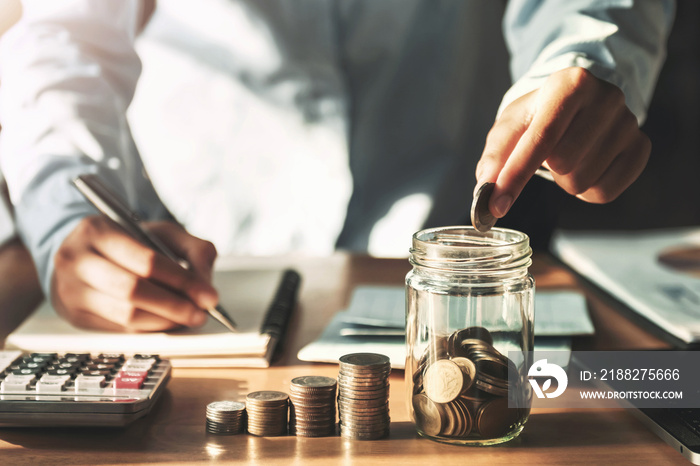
(537, 75)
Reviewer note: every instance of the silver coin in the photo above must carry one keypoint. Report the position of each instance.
(482, 218)
(266, 397)
(218, 406)
(365, 359)
(313, 381)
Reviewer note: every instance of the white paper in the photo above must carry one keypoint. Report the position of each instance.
(626, 265)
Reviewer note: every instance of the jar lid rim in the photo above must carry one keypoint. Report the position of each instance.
(499, 237)
(466, 247)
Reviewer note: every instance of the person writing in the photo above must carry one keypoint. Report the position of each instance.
(342, 117)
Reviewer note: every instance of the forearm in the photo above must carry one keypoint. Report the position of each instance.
(620, 41)
(68, 75)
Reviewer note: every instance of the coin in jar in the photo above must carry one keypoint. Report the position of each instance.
(495, 418)
(443, 381)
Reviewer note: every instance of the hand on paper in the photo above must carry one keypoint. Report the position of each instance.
(105, 279)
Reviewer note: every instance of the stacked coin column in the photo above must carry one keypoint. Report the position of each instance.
(313, 406)
(363, 396)
(267, 413)
(225, 417)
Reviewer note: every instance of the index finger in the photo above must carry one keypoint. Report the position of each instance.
(551, 119)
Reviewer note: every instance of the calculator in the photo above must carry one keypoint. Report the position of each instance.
(52, 389)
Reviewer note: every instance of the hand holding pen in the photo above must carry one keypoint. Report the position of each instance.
(105, 278)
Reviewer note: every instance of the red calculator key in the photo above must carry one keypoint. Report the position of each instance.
(128, 382)
(132, 374)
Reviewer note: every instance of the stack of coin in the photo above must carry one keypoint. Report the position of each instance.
(461, 389)
(267, 413)
(225, 417)
(363, 396)
(313, 406)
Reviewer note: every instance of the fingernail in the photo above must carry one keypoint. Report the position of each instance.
(502, 204)
(198, 318)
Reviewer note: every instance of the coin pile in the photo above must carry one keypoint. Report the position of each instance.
(363, 396)
(461, 387)
(312, 406)
(225, 417)
(267, 413)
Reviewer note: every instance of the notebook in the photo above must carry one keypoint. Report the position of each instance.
(655, 273)
(260, 301)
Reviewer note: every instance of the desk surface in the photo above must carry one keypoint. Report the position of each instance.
(174, 431)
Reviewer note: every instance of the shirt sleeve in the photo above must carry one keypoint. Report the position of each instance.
(620, 41)
(68, 71)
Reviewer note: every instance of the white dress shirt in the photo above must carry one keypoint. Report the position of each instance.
(289, 125)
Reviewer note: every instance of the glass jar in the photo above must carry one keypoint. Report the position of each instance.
(469, 334)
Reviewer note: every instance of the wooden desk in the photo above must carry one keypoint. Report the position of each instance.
(174, 432)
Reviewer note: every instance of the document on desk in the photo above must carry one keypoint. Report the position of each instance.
(249, 295)
(375, 322)
(379, 309)
(655, 273)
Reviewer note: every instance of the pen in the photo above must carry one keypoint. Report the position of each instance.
(111, 206)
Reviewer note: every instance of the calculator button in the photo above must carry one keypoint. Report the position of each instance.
(50, 386)
(44, 355)
(118, 356)
(26, 371)
(113, 361)
(52, 383)
(136, 374)
(139, 364)
(87, 382)
(103, 373)
(147, 356)
(33, 365)
(60, 372)
(37, 360)
(128, 382)
(67, 365)
(101, 367)
(16, 382)
(76, 356)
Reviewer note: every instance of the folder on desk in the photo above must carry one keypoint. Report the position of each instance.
(655, 273)
(259, 300)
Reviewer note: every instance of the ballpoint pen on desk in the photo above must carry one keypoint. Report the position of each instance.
(111, 206)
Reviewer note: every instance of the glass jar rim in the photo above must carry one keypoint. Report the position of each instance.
(464, 247)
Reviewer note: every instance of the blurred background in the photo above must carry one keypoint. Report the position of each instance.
(668, 192)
